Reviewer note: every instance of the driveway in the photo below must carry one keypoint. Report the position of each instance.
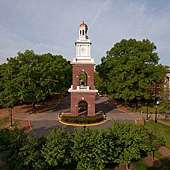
(42, 123)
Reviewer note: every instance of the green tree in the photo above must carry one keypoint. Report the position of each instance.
(31, 153)
(99, 83)
(42, 75)
(56, 150)
(89, 149)
(29, 77)
(9, 92)
(29, 86)
(11, 141)
(111, 146)
(130, 68)
(132, 142)
(1, 71)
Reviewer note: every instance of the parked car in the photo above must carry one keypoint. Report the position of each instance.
(100, 95)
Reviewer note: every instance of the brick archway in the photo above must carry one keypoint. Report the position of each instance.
(88, 97)
(88, 69)
(82, 107)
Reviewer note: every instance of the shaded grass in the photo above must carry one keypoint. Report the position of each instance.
(143, 107)
(5, 123)
(165, 164)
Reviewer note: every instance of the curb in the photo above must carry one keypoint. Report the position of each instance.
(27, 125)
(80, 125)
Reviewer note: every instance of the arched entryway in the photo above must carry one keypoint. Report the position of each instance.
(82, 108)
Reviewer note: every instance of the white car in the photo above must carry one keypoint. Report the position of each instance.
(100, 95)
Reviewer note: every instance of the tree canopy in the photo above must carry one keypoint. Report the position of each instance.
(11, 141)
(56, 151)
(89, 149)
(30, 77)
(130, 68)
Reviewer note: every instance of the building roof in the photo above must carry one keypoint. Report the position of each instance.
(83, 25)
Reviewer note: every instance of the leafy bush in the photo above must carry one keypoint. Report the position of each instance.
(82, 119)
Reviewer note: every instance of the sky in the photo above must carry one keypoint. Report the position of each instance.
(51, 26)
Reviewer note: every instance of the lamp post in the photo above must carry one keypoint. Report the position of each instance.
(147, 111)
(156, 110)
(10, 116)
(84, 127)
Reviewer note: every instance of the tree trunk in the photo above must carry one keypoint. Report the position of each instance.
(33, 106)
(128, 166)
(153, 155)
(57, 96)
(136, 104)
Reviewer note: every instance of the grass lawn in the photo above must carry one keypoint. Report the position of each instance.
(5, 122)
(165, 163)
(143, 107)
(161, 130)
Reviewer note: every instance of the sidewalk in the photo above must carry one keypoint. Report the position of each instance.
(165, 123)
(123, 109)
(164, 152)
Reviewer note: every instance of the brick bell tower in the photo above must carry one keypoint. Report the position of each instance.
(82, 89)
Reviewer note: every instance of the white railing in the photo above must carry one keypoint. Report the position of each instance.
(82, 87)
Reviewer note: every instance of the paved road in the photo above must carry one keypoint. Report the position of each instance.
(43, 122)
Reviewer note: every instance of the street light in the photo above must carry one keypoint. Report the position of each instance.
(84, 127)
(10, 116)
(156, 110)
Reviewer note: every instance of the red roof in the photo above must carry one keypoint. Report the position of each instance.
(83, 25)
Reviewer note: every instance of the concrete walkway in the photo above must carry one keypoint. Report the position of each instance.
(164, 152)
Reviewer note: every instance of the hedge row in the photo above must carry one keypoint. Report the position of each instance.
(82, 119)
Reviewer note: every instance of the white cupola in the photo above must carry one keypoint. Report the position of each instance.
(83, 31)
(83, 45)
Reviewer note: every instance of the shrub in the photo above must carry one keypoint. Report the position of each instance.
(82, 119)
